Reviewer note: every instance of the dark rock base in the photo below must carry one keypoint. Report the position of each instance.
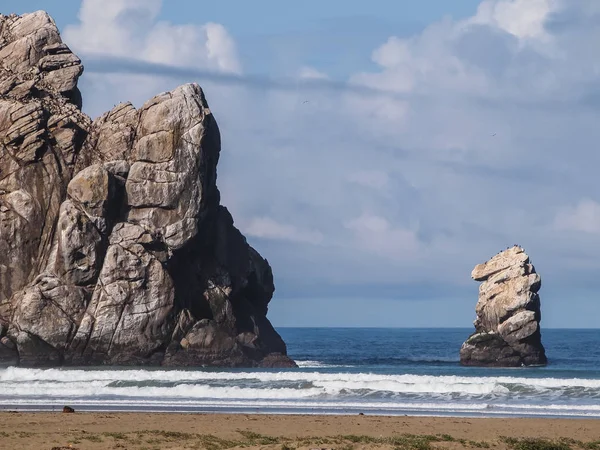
(490, 350)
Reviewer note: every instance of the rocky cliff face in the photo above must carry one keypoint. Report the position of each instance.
(507, 328)
(114, 248)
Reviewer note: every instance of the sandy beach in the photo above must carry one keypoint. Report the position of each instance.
(47, 431)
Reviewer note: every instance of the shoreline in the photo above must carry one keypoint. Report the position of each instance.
(219, 431)
(19, 409)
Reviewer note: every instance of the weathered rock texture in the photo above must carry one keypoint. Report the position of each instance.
(114, 248)
(507, 328)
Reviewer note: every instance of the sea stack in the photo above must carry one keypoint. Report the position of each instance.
(507, 328)
(114, 247)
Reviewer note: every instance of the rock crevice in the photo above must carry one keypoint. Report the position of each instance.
(507, 327)
(114, 248)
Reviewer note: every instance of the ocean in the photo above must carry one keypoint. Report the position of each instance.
(342, 371)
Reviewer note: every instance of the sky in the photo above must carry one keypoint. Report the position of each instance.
(375, 152)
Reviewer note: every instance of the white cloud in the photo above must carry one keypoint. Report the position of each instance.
(268, 228)
(375, 179)
(524, 19)
(368, 224)
(130, 28)
(221, 48)
(493, 130)
(112, 27)
(377, 235)
(585, 217)
(477, 152)
(312, 74)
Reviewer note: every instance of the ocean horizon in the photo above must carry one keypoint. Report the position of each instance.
(388, 371)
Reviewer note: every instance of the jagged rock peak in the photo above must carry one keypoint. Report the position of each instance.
(114, 248)
(507, 327)
(34, 60)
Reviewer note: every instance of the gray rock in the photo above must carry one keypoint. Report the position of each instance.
(110, 137)
(114, 248)
(8, 352)
(129, 317)
(41, 131)
(507, 330)
(45, 318)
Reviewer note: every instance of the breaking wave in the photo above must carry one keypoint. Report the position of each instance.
(299, 391)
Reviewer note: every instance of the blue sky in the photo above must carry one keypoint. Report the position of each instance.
(376, 151)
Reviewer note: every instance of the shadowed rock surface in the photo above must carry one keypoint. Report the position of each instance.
(114, 248)
(507, 328)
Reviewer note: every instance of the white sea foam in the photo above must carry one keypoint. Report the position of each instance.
(314, 390)
(300, 391)
(313, 407)
(309, 364)
(20, 375)
(98, 389)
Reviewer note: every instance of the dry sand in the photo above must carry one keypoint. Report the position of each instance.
(45, 431)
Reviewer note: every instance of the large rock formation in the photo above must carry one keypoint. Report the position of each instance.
(507, 328)
(114, 248)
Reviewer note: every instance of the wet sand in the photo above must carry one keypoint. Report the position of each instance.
(153, 431)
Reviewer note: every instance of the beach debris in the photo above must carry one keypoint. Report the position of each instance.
(68, 409)
(507, 327)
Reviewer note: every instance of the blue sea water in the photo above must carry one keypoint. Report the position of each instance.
(342, 371)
